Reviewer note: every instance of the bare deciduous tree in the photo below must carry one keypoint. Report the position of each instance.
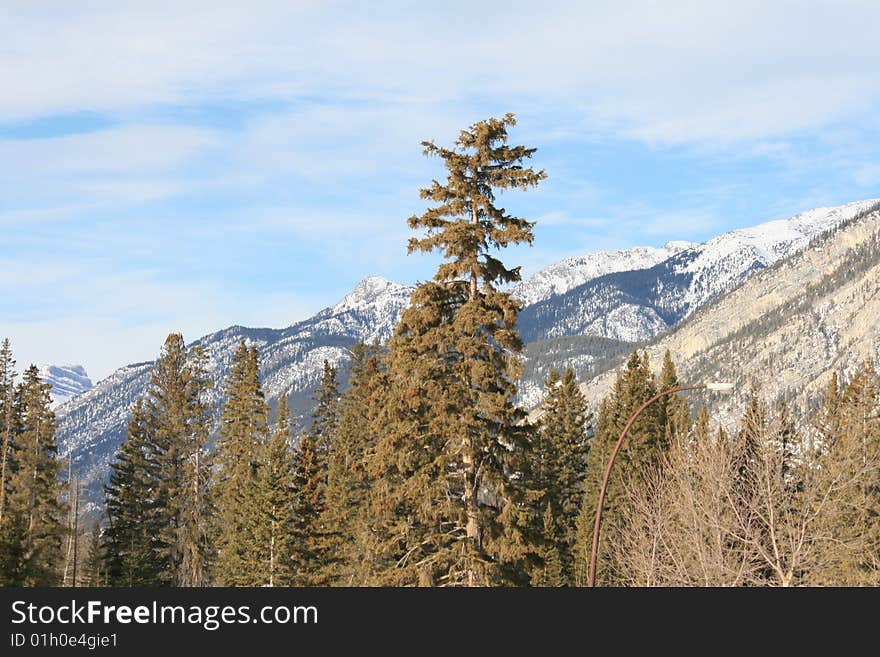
(785, 515)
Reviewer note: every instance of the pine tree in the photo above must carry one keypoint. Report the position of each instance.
(348, 559)
(852, 454)
(275, 479)
(307, 506)
(179, 424)
(559, 467)
(195, 503)
(448, 466)
(132, 548)
(702, 428)
(644, 444)
(672, 410)
(240, 450)
(94, 573)
(7, 408)
(827, 423)
(33, 524)
(314, 540)
(552, 572)
(754, 426)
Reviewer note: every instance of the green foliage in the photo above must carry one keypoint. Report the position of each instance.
(559, 466)
(850, 433)
(157, 500)
(33, 526)
(135, 518)
(349, 556)
(645, 442)
(449, 494)
(94, 568)
(275, 494)
(243, 439)
(314, 540)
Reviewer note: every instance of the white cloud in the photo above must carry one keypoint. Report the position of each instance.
(129, 149)
(671, 72)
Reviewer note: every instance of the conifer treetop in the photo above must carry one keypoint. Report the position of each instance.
(467, 224)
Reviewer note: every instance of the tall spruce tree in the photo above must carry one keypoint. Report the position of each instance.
(244, 434)
(133, 553)
(348, 559)
(852, 453)
(449, 496)
(559, 468)
(180, 423)
(94, 573)
(33, 525)
(7, 408)
(275, 529)
(196, 505)
(753, 429)
(672, 410)
(313, 539)
(827, 420)
(645, 442)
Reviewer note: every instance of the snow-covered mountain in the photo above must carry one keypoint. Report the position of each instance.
(638, 304)
(92, 424)
(788, 328)
(566, 274)
(585, 311)
(67, 381)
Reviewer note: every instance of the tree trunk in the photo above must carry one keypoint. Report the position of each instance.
(473, 529)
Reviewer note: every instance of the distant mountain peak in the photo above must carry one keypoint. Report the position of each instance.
(370, 291)
(67, 381)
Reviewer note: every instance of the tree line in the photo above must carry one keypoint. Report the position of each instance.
(424, 471)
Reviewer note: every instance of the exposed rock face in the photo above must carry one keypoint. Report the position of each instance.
(788, 327)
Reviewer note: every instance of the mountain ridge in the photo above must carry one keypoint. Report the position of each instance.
(628, 306)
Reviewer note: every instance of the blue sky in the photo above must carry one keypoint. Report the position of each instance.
(188, 168)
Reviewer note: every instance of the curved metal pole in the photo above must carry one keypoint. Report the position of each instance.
(595, 551)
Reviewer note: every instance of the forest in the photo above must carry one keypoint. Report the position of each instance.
(423, 470)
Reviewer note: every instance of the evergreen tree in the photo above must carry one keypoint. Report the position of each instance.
(672, 410)
(307, 506)
(195, 503)
(179, 424)
(852, 454)
(315, 540)
(240, 449)
(275, 479)
(94, 574)
(448, 492)
(559, 467)
(827, 423)
(702, 428)
(33, 526)
(552, 572)
(7, 407)
(132, 548)
(644, 444)
(753, 429)
(348, 559)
